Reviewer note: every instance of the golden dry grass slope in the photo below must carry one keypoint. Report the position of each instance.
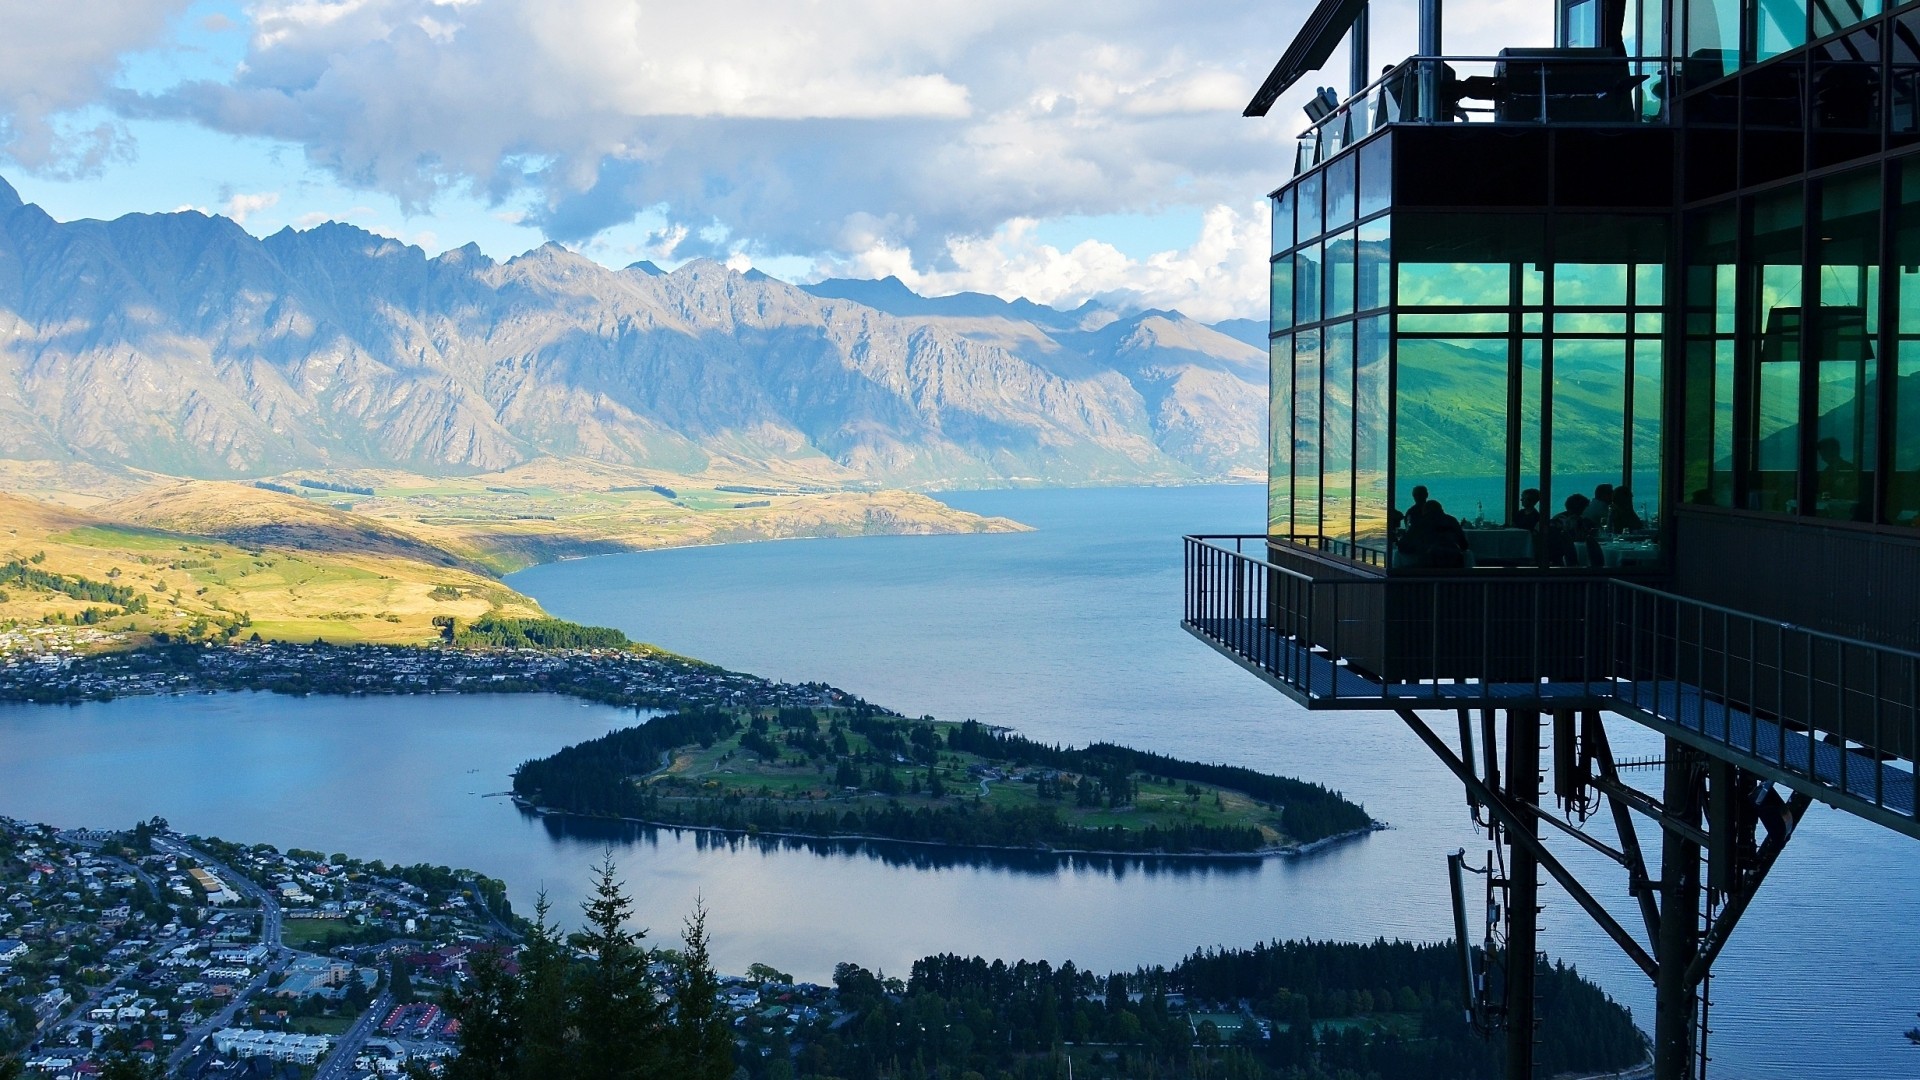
(262, 575)
(374, 555)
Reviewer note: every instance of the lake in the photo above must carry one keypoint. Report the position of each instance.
(1068, 633)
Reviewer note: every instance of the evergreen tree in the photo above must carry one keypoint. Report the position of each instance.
(488, 1009)
(548, 1029)
(703, 1046)
(621, 1023)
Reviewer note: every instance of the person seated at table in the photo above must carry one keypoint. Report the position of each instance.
(1568, 530)
(1623, 518)
(1528, 517)
(1599, 507)
(1435, 539)
(1839, 478)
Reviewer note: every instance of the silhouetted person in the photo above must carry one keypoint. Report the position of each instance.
(1569, 528)
(1623, 517)
(1599, 507)
(1434, 539)
(1528, 516)
(1839, 478)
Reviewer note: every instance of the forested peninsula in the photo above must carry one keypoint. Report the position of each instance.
(857, 771)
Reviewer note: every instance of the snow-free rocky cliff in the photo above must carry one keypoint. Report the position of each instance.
(182, 344)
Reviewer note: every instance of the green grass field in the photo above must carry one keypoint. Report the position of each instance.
(306, 933)
(727, 769)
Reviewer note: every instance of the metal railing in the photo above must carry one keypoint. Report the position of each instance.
(1817, 707)
(1548, 87)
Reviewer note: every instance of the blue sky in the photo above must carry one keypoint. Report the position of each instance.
(1055, 151)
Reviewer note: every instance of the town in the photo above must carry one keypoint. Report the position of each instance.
(53, 671)
(201, 958)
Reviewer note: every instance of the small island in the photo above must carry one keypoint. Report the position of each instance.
(857, 771)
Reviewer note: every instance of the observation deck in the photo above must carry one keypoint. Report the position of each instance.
(1829, 716)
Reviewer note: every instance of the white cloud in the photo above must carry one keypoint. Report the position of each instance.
(918, 137)
(242, 206)
(58, 58)
(1222, 275)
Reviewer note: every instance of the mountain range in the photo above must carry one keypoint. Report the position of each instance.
(180, 343)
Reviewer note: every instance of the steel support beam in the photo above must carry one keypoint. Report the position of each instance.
(1737, 901)
(1515, 822)
(1523, 890)
(1674, 1007)
(1639, 882)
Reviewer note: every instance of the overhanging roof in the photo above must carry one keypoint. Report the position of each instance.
(1330, 21)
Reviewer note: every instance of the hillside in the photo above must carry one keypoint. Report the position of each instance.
(180, 344)
(77, 575)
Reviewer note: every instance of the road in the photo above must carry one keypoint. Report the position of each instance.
(339, 1063)
(191, 1041)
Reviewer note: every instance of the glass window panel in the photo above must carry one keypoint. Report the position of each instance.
(1306, 433)
(1902, 501)
(1778, 25)
(1376, 176)
(1713, 38)
(1372, 411)
(1375, 283)
(1644, 473)
(1589, 425)
(1707, 461)
(1903, 481)
(1282, 294)
(1455, 284)
(1773, 462)
(1308, 207)
(1533, 285)
(1590, 285)
(1903, 103)
(1306, 284)
(1649, 283)
(1450, 428)
(1532, 354)
(1464, 322)
(1339, 275)
(1280, 437)
(1532, 322)
(1832, 15)
(1336, 434)
(1341, 195)
(1283, 221)
(1846, 407)
(1590, 322)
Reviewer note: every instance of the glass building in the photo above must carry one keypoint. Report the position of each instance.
(1640, 268)
(1595, 392)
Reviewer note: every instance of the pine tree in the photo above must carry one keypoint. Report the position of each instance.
(621, 1029)
(703, 1047)
(548, 1028)
(488, 1009)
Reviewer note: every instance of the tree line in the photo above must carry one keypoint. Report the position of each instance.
(16, 572)
(494, 631)
(1310, 811)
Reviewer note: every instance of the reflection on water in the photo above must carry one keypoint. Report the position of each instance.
(602, 833)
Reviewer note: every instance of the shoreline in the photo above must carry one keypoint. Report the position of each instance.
(1282, 851)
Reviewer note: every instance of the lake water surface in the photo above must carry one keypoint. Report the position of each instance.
(1068, 633)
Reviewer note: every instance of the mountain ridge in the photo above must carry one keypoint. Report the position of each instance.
(179, 343)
